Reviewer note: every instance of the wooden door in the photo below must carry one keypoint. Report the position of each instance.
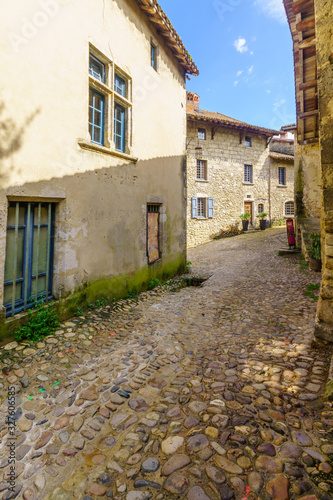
(248, 210)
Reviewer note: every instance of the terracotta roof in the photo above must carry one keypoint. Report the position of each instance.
(293, 126)
(226, 121)
(164, 27)
(280, 156)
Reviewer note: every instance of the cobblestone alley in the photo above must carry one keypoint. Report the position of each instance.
(200, 393)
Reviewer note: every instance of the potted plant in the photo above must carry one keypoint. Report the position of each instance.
(314, 252)
(262, 220)
(245, 221)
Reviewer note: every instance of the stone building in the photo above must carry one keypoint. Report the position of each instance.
(310, 24)
(234, 167)
(92, 155)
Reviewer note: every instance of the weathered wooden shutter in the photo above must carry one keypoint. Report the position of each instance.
(210, 208)
(194, 207)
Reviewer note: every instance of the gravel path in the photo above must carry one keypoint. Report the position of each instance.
(209, 392)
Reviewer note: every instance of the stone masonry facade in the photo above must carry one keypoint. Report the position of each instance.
(225, 153)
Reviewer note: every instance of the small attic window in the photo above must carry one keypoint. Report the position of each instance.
(248, 141)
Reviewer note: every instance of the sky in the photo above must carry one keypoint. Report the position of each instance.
(243, 51)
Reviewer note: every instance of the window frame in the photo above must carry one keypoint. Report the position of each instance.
(203, 199)
(102, 111)
(199, 169)
(248, 141)
(261, 208)
(97, 62)
(280, 170)
(114, 96)
(285, 208)
(31, 227)
(247, 166)
(122, 122)
(154, 208)
(203, 132)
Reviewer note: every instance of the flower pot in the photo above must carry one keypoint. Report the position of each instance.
(262, 224)
(245, 225)
(314, 264)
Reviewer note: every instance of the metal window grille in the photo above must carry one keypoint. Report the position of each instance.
(202, 134)
(248, 142)
(119, 127)
(153, 233)
(153, 208)
(202, 169)
(29, 255)
(260, 208)
(96, 68)
(289, 208)
(248, 173)
(282, 176)
(202, 207)
(96, 116)
(119, 85)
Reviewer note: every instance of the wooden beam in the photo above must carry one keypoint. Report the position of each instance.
(307, 114)
(308, 85)
(302, 5)
(308, 42)
(306, 25)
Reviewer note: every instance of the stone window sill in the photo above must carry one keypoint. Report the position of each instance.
(248, 183)
(201, 180)
(281, 186)
(102, 149)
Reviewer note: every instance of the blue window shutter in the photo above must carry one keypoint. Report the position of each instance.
(210, 208)
(194, 207)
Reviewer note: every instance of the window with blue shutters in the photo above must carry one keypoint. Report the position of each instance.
(194, 207)
(210, 208)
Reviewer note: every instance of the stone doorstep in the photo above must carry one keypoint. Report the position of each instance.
(287, 250)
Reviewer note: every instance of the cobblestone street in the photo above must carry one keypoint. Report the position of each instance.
(209, 392)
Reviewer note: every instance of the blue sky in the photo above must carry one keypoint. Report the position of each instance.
(243, 50)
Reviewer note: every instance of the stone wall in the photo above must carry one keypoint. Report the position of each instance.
(324, 36)
(308, 180)
(226, 157)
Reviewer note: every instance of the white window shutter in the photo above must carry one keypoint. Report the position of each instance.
(210, 208)
(194, 207)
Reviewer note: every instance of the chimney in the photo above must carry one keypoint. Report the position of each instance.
(193, 100)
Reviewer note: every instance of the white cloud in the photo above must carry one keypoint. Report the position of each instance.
(240, 72)
(268, 91)
(236, 82)
(240, 45)
(273, 9)
(278, 103)
(250, 70)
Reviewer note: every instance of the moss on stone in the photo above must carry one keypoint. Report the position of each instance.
(113, 287)
(329, 391)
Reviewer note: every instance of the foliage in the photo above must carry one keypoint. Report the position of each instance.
(132, 293)
(79, 311)
(153, 283)
(188, 266)
(262, 215)
(245, 216)
(43, 320)
(310, 289)
(314, 250)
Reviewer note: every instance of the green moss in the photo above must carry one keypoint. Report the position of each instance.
(329, 391)
(114, 286)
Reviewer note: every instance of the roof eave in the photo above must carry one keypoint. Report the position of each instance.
(234, 125)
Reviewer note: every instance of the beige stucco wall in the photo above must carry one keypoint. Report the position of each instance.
(226, 158)
(101, 211)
